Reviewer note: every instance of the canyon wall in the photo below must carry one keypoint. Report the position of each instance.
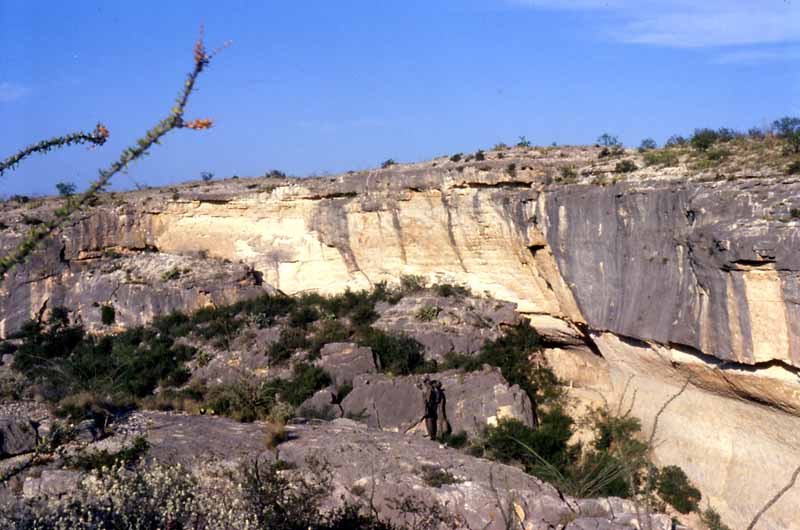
(650, 281)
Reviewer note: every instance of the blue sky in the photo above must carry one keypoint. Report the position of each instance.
(311, 87)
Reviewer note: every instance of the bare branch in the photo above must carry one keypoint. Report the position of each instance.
(775, 499)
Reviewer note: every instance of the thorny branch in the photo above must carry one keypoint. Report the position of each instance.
(174, 120)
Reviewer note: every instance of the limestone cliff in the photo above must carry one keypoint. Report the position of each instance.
(664, 273)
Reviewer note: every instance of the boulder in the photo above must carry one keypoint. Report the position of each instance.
(321, 405)
(51, 483)
(474, 400)
(17, 435)
(461, 325)
(343, 361)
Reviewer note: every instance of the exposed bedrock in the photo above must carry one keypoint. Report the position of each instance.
(703, 278)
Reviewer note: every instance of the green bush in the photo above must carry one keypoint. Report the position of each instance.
(568, 175)
(290, 340)
(480, 156)
(717, 155)
(327, 331)
(713, 520)
(107, 315)
(608, 140)
(172, 274)
(427, 313)
(647, 144)
(63, 360)
(788, 129)
(675, 140)
(450, 289)
(410, 283)
(302, 316)
(793, 168)
(664, 158)
(306, 380)
(456, 440)
(512, 441)
(625, 166)
(456, 157)
(388, 163)
(702, 139)
(436, 477)
(674, 487)
(396, 353)
(65, 189)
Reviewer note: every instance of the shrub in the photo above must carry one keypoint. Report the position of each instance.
(259, 495)
(480, 156)
(65, 189)
(456, 157)
(427, 313)
(712, 519)
(302, 316)
(436, 477)
(500, 146)
(388, 163)
(523, 142)
(306, 380)
(290, 340)
(448, 290)
(568, 175)
(455, 440)
(724, 134)
(107, 315)
(625, 166)
(327, 331)
(206, 176)
(675, 140)
(702, 139)
(647, 145)
(172, 274)
(717, 155)
(513, 441)
(608, 140)
(410, 283)
(396, 353)
(793, 168)
(62, 360)
(788, 129)
(674, 487)
(243, 400)
(664, 158)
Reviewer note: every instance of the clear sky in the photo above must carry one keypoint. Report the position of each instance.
(310, 87)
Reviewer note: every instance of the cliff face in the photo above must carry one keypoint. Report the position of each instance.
(666, 274)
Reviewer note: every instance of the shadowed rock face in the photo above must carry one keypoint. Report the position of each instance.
(474, 400)
(712, 266)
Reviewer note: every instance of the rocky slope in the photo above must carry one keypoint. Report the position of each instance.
(638, 280)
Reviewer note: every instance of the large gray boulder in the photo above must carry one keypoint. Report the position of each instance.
(474, 400)
(343, 361)
(51, 483)
(17, 436)
(460, 325)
